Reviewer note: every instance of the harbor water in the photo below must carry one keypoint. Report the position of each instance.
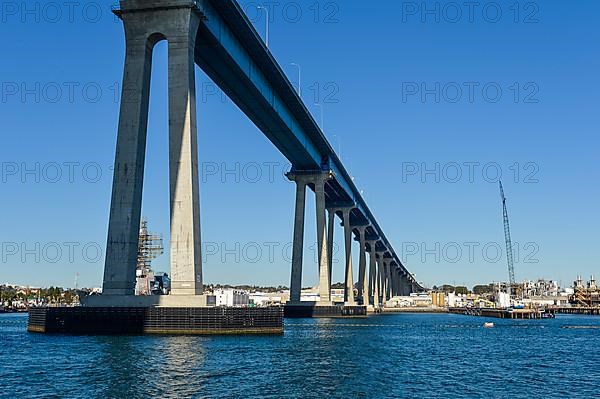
(386, 356)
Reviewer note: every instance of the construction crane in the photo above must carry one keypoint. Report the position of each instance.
(509, 251)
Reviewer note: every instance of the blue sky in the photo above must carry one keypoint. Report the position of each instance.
(394, 81)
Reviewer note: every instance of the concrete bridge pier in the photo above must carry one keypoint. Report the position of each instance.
(381, 277)
(393, 281)
(363, 277)
(401, 285)
(323, 251)
(373, 285)
(398, 280)
(389, 278)
(407, 286)
(315, 180)
(376, 277)
(126, 203)
(348, 275)
(144, 27)
(331, 213)
(349, 278)
(298, 241)
(186, 259)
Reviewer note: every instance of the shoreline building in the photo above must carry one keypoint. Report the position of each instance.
(231, 298)
(150, 247)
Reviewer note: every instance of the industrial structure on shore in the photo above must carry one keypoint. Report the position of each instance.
(585, 294)
(150, 247)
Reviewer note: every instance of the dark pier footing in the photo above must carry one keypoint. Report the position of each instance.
(156, 320)
(585, 310)
(309, 311)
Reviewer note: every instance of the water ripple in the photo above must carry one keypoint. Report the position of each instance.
(391, 356)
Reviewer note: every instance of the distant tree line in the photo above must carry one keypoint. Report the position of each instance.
(478, 289)
(212, 287)
(52, 295)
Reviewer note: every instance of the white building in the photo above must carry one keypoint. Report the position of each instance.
(503, 300)
(231, 298)
(265, 299)
(414, 300)
(541, 301)
(310, 297)
(452, 302)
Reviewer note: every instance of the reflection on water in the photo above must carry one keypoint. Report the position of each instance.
(397, 356)
(121, 369)
(183, 367)
(163, 366)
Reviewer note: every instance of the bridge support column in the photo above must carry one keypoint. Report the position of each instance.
(330, 233)
(363, 278)
(126, 203)
(401, 279)
(298, 244)
(186, 258)
(349, 279)
(373, 285)
(144, 27)
(380, 274)
(397, 280)
(317, 181)
(407, 289)
(375, 281)
(401, 285)
(382, 278)
(323, 251)
(390, 281)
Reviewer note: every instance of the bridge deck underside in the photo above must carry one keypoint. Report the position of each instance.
(231, 53)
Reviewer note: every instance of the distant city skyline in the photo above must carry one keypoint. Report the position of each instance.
(335, 284)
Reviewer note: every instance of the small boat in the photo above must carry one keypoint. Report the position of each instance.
(488, 325)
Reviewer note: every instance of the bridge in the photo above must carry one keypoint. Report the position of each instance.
(218, 37)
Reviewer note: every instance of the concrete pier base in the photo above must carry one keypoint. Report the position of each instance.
(156, 320)
(145, 301)
(313, 310)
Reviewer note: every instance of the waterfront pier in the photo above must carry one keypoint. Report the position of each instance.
(500, 313)
(583, 310)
